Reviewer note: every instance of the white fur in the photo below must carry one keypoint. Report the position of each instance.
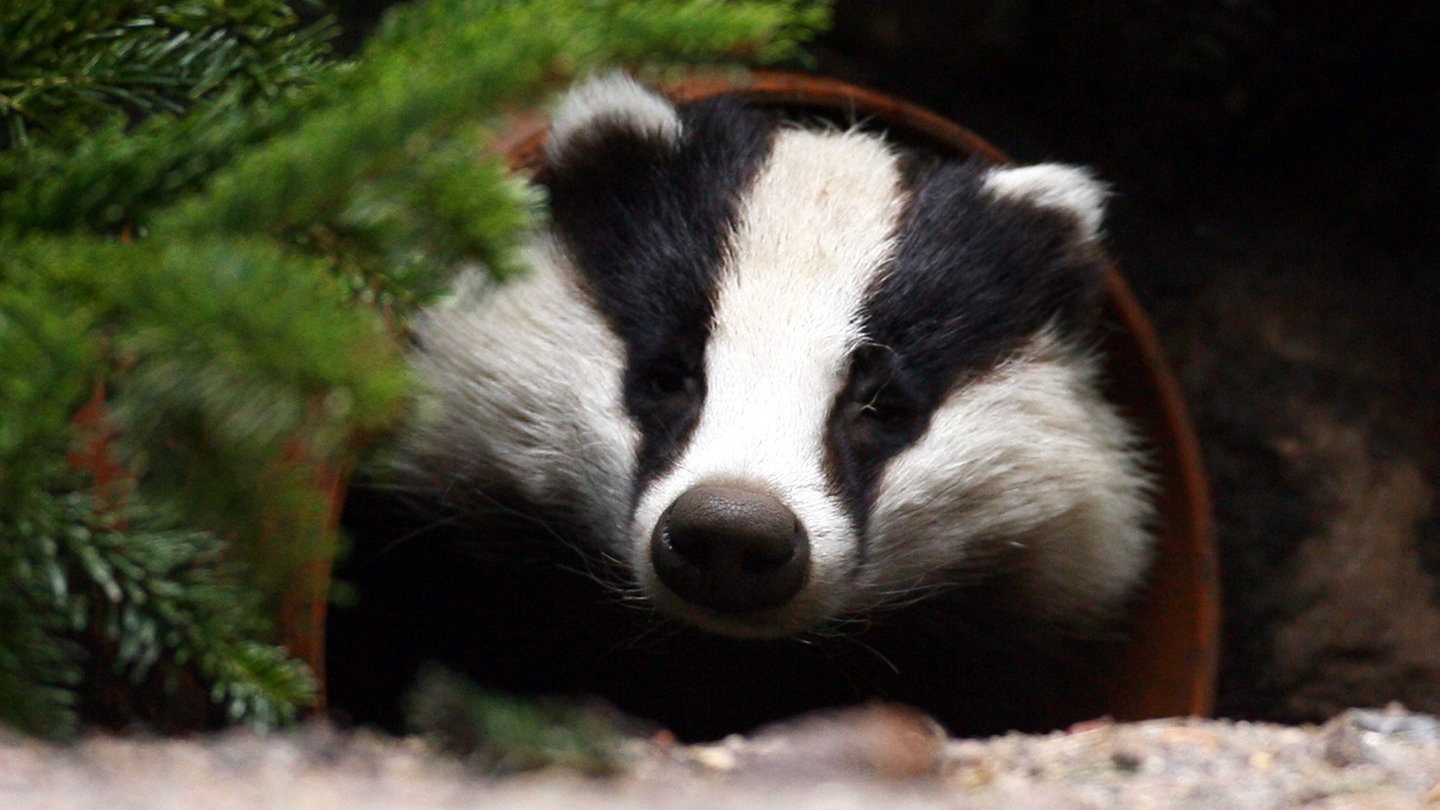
(817, 223)
(1025, 468)
(524, 387)
(1053, 185)
(615, 100)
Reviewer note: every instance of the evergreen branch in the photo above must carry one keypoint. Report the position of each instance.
(71, 67)
(238, 354)
(155, 593)
(763, 32)
(41, 666)
(173, 596)
(256, 684)
(47, 367)
(111, 181)
(434, 64)
(497, 733)
(448, 203)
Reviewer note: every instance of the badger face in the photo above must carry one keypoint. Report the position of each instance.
(789, 376)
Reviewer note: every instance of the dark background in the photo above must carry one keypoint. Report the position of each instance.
(1277, 176)
(1277, 209)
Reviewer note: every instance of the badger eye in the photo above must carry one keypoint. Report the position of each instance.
(879, 407)
(664, 387)
(670, 383)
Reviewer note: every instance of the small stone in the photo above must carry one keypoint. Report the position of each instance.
(970, 776)
(714, 757)
(878, 739)
(1127, 761)
(1087, 726)
(1343, 745)
(1395, 721)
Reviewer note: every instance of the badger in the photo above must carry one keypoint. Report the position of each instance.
(771, 383)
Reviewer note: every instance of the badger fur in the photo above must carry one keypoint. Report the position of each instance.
(771, 381)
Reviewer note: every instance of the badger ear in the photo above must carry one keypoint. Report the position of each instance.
(608, 106)
(1072, 190)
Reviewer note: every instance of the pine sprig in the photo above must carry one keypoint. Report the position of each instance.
(444, 65)
(41, 664)
(495, 733)
(91, 153)
(448, 202)
(435, 64)
(234, 351)
(46, 369)
(70, 67)
(147, 591)
(111, 180)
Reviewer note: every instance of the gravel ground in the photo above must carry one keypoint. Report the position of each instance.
(876, 756)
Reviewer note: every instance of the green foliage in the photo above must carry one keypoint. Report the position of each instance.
(45, 374)
(70, 67)
(147, 592)
(210, 221)
(117, 106)
(108, 182)
(41, 666)
(432, 74)
(138, 587)
(496, 733)
(237, 354)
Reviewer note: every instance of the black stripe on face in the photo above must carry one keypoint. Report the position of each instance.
(648, 222)
(972, 279)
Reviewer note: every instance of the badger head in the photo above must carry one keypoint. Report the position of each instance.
(791, 375)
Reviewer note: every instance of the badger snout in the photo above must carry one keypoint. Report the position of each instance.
(730, 549)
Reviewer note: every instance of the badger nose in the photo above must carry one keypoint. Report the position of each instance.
(730, 549)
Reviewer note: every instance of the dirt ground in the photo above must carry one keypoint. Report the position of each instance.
(878, 756)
